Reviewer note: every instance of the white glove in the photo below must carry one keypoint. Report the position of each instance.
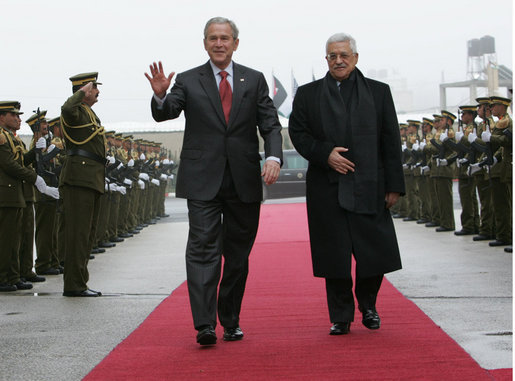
(404, 147)
(144, 176)
(120, 166)
(424, 170)
(459, 135)
(170, 177)
(106, 187)
(40, 184)
(50, 148)
(485, 136)
(141, 184)
(157, 163)
(122, 190)
(405, 166)
(473, 168)
(495, 161)
(127, 182)
(163, 177)
(111, 159)
(142, 156)
(155, 182)
(52, 192)
(112, 187)
(41, 143)
(443, 136)
(423, 144)
(441, 162)
(472, 136)
(130, 163)
(415, 146)
(463, 161)
(166, 162)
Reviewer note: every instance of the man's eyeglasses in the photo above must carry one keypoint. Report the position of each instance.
(343, 56)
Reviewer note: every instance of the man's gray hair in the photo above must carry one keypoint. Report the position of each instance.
(342, 37)
(222, 20)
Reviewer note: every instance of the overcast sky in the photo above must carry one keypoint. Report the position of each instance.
(46, 42)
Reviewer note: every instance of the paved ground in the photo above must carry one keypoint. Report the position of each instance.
(465, 287)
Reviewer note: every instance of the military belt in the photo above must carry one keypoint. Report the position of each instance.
(89, 155)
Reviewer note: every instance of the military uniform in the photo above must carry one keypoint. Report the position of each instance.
(82, 182)
(424, 184)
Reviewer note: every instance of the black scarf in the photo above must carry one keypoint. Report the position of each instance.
(353, 126)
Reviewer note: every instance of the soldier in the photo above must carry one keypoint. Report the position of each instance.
(424, 185)
(411, 173)
(401, 208)
(500, 141)
(13, 174)
(444, 172)
(82, 180)
(466, 184)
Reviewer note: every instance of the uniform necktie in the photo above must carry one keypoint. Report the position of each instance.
(225, 94)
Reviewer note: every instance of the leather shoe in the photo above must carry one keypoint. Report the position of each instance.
(340, 328)
(398, 215)
(35, 279)
(409, 219)
(164, 215)
(107, 245)
(508, 249)
(49, 271)
(5, 287)
(233, 334)
(431, 224)
(464, 232)
(85, 293)
(125, 235)
(134, 231)
(206, 335)
(371, 319)
(482, 237)
(422, 221)
(442, 229)
(498, 243)
(23, 285)
(116, 239)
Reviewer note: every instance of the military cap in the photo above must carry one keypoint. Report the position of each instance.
(500, 100)
(109, 133)
(118, 135)
(10, 106)
(413, 122)
(128, 137)
(468, 108)
(402, 125)
(428, 121)
(483, 100)
(35, 117)
(437, 117)
(54, 121)
(449, 115)
(83, 78)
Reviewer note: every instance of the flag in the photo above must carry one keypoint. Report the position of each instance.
(280, 99)
(294, 85)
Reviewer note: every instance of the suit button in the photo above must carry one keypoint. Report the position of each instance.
(9, 185)
(83, 162)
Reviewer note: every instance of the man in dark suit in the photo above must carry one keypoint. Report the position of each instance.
(219, 171)
(345, 125)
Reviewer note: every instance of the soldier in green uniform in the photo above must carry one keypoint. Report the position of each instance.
(444, 172)
(401, 208)
(13, 174)
(424, 185)
(411, 173)
(500, 141)
(466, 183)
(82, 180)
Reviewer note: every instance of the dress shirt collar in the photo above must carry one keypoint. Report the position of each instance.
(216, 69)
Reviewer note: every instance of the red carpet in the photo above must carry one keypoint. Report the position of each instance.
(286, 326)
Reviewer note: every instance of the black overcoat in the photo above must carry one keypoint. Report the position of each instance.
(337, 233)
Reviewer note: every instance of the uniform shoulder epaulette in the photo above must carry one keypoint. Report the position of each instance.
(3, 139)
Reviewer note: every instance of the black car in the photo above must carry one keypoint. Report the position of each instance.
(292, 178)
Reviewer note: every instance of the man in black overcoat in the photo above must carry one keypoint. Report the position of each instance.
(346, 126)
(225, 105)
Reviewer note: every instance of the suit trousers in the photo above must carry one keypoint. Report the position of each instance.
(341, 301)
(222, 226)
(81, 209)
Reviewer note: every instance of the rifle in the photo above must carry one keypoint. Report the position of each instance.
(39, 152)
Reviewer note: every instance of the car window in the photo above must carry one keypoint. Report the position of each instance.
(296, 161)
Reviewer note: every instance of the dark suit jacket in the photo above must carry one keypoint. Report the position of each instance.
(336, 234)
(210, 143)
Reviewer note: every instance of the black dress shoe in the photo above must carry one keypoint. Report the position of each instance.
(100, 250)
(482, 237)
(508, 249)
(498, 243)
(95, 250)
(106, 244)
(134, 231)
(398, 215)
(206, 336)
(50, 271)
(85, 293)
(91, 257)
(164, 215)
(431, 224)
(35, 279)
(23, 285)
(61, 269)
(464, 232)
(116, 239)
(340, 328)
(409, 219)
(125, 235)
(442, 229)
(371, 319)
(422, 221)
(5, 287)
(233, 334)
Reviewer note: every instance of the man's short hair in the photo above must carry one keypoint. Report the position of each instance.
(222, 20)
(342, 37)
